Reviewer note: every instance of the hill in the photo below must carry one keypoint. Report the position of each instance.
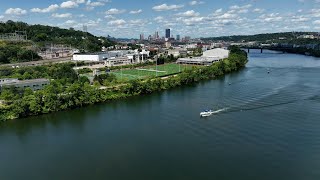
(290, 37)
(40, 35)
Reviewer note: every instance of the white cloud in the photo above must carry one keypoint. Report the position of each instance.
(273, 17)
(1, 17)
(15, 11)
(316, 22)
(192, 21)
(299, 19)
(159, 19)
(51, 8)
(190, 13)
(94, 4)
(109, 17)
(136, 12)
(315, 13)
(193, 3)
(165, 7)
(137, 22)
(65, 15)
(218, 12)
(93, 23)
(70, 4)
(227, 16)
(241, 7)
(115, 11)
(117, 22)
(70, 22)
(257, 10)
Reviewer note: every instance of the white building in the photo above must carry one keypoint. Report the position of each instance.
(209, 57)
(115, 57)
(217, 53)
(90, 57)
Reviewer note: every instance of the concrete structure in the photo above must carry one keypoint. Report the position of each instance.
(209, 57)
(57, 51)
(197, 61)
(176, 52)
(34, 84)
(168, 44)
(116, 61)
(16, 36)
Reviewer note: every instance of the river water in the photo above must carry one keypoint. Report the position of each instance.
(266, 126)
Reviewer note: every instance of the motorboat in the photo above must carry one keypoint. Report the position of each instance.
(206, 113)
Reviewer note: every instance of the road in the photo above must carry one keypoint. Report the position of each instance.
(37, 63)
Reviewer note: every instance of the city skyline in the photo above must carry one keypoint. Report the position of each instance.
(127, 19)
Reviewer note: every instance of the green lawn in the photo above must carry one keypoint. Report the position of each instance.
(149, 71)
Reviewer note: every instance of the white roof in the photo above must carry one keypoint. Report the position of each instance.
(218, 52)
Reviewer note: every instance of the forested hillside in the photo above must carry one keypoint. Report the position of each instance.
(275, 37)
(40, 35)
(43, 34)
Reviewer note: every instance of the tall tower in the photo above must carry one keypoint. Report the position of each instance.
(168, 34)
(141, 37)
(85, 37)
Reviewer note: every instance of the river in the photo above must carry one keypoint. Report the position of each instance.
(267, 126)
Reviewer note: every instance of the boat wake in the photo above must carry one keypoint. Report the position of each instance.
(220, 110)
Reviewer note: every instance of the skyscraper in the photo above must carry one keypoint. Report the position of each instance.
(141, 37)
(168, 33)
(178, 38)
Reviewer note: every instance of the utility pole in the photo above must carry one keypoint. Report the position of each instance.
(121, 72)
(157, 68)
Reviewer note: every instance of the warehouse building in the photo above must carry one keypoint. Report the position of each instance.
(115, 57)
(34, 84)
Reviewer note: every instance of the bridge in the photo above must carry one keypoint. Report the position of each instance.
(261, 48)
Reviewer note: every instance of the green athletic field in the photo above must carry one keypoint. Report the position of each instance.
(150, 71)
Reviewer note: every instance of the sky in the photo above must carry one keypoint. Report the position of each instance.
(198, 18)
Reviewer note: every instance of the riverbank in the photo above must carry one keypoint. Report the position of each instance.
(80, 93)
(302, 51)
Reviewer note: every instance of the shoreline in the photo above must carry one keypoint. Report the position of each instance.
(82, 95)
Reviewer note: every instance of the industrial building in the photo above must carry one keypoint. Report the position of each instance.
(114, 61)
(91, 57)
(34, 84)
(209, 57)
(112, 58)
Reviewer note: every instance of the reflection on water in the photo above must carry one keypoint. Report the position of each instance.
(266, 126)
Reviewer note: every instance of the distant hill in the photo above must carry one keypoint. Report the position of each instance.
(41, 34)
(274, 37)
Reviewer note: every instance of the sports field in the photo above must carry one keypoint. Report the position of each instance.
(149, 71)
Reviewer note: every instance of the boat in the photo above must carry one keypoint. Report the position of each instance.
(206, 113)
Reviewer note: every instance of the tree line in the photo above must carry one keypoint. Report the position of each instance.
(15, 53)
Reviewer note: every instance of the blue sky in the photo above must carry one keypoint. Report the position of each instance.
(198, 18)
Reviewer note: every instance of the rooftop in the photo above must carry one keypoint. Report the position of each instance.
(25, 82)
